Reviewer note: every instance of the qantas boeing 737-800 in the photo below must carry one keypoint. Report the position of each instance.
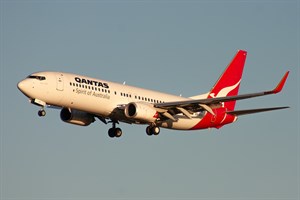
(83, 99)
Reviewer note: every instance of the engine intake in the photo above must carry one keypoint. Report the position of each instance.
(142, 112)
(76, 117)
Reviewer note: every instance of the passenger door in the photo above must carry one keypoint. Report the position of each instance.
(60, 82)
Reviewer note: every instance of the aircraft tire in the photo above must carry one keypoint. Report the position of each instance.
(111, 132)
(149, 131)
(155, 130)
(152, 130)
(118, 132)
(41, 113)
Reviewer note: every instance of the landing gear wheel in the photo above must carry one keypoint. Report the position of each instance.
(42, 113)
(118, 132)
(114, 132)
(111, 132)
(152, 130)
(148, 131)
(155, 130)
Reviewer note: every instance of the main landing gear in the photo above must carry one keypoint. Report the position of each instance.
(114, 132)
(117, 132)
(152, 130)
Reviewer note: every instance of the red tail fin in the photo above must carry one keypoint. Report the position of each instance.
(229, 82)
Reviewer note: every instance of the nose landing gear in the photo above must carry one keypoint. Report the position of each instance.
(40, 103)
(41, 112)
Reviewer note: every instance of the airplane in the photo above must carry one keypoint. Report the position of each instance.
(82, 100)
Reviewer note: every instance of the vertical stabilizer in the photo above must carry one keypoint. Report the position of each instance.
(229, 82)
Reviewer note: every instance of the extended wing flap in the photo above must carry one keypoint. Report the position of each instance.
(185, 112)
(168, 115)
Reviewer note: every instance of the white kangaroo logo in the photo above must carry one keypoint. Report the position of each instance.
(224, 92)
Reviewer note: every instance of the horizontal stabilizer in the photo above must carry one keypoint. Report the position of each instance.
(252, 111)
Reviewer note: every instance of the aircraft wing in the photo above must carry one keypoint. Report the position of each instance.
(189, 106)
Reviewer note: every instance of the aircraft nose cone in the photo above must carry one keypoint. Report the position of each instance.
(24, 86)
(21, 86)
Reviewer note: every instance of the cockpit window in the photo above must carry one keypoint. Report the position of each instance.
(41, 78)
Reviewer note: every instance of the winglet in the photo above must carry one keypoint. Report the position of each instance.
(280, 84)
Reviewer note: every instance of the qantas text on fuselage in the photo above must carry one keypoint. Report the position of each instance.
(91, 82)
(83, 100)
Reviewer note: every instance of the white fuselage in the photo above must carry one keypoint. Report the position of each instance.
(98, 97)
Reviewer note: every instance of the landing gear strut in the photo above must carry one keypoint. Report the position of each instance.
(42, 105)
(152, 130)
(114, 132)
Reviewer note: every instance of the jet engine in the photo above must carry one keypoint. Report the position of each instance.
(76, 117)
(141, 112)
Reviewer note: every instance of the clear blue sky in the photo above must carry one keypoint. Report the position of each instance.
(180, 47)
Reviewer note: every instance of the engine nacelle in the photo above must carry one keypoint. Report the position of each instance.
(142, 112)
(76, 117)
